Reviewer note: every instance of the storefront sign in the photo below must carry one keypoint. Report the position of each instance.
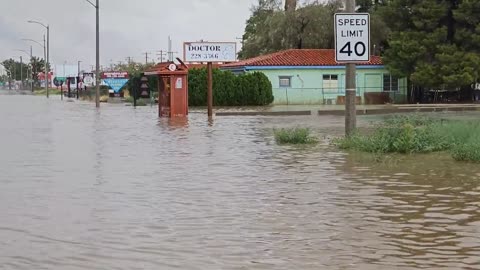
(116, 80)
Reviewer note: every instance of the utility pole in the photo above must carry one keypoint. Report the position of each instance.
(45, 73)
(78, 79)
(47, 52)
(48, 57)
(31, 60)
(161, 53)
(146, 57)
(97, 52)
(350, 83)
(97, 78)
(21, 71)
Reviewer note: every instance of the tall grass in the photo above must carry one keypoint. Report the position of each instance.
(409, 135)
(294, 136)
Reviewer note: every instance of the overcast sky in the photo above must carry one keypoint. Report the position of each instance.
(128, 28)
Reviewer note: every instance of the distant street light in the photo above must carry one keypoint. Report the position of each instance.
(45, 55)
(21, 63)
(97, 75)
(78, 80)
(47, 72)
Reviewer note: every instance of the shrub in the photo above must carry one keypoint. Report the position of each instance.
(141, 102)
(294, 136)
(128, 99)
(250, 89)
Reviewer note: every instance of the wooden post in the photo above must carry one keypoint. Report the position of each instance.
(210, 89)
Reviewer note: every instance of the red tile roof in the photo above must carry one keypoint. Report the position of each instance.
(298, 57)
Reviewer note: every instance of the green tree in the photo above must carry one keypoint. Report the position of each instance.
(135, 71)
(433, 43)
(15, 69)
(271, 29)
(306, 26)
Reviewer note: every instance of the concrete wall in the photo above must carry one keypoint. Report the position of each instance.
(307, 85)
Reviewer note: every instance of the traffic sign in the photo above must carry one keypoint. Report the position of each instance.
(352, 37)
(58, 81)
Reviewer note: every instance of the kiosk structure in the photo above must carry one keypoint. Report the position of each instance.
(172, 88)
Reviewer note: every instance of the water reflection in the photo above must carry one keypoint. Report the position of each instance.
(430, 212)
(121, 189)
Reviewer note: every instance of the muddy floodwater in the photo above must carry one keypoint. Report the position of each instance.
(120, 189)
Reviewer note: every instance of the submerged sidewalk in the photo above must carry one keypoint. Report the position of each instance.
(284, 110)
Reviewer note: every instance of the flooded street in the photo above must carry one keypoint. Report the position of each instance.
(119, 188)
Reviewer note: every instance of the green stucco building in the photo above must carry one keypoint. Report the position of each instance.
(311, 76)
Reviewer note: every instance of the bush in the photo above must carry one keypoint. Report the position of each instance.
(294, 136)
(408, 135)
(250, 89)
(141, 102)
(90, 93)
(128, 99)
(103, 98)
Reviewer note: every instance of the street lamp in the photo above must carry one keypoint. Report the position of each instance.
(21, 65)
(47, 72)
(31, 66)
(78, 79)
(97, 75)
(45, 55)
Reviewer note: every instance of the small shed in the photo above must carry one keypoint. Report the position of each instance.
(172, 88)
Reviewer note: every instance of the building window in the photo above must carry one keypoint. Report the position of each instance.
(390, 83)
(285, 81)
(330, 83)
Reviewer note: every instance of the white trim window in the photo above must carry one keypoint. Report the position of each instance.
(390, 83)
(285, 81)
(330, 83)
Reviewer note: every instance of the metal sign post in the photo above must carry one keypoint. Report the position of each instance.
(352, 45)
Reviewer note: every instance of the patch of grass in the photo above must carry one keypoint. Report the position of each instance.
(128, 99)
(407, 135)
(141, 102)
(294, 136)
(466, 152)
(43, 92)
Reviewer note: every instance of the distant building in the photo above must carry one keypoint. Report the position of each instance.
(311, 76)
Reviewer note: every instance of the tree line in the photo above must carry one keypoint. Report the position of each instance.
(15, 69)
(433, 43)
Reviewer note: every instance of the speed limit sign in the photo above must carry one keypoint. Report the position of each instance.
(352, 37)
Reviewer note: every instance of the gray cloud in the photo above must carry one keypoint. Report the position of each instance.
(128, 27)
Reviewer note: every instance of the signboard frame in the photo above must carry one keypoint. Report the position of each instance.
(353, 41)
(204, 57)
